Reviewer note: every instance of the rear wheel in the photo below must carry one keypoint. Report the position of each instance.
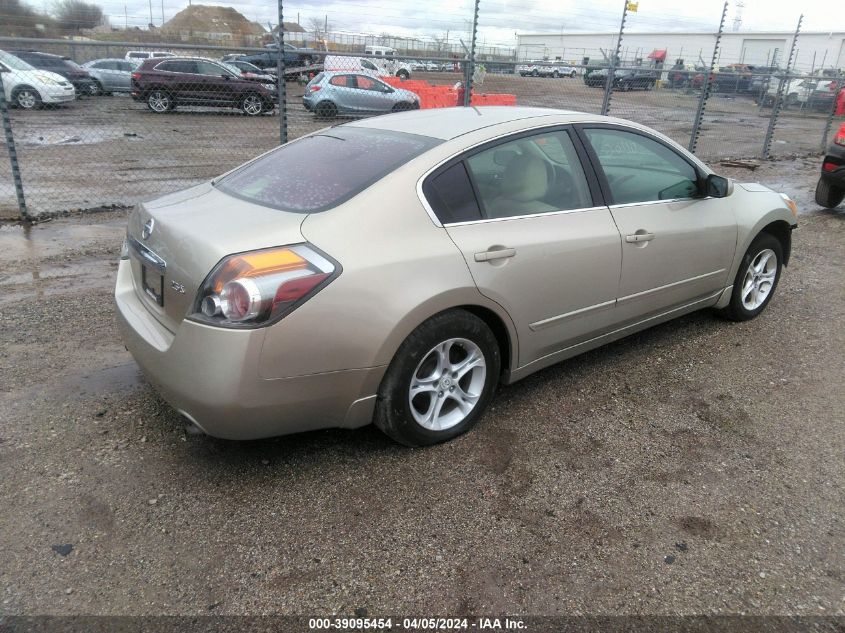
(535, 73)
(95, 88)
(440, 381)
(26, 98)
(572, 74)
(827, 195)
(325, 110)
(160, 101)
(756, 278)
(404, 75)
(252, 104)
(556, 74)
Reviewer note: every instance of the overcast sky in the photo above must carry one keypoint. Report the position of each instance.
(501, 19)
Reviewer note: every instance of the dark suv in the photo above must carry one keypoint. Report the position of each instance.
(830, 190)
(64, 66)
(164, 84)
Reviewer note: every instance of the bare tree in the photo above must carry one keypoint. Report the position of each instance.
(320, 27)
(19, 20)
(384, 38)
(439, 43)
(75, 15)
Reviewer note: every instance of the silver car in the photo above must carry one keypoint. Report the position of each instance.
(111, 75)
(332, 93)
(397, 269)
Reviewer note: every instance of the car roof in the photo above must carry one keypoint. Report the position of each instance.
(38, 53)
(449, 123)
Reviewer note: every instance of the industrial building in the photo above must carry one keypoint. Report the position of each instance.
(814, 50)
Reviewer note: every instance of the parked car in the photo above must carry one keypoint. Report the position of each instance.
(417, 65)
(546, 69)
(28, 87)
(250, 71)
(165, 84)
(333, 93)
(294, 57)
(596, 77)
(142, 55)
(372, 65)
(111, 75)
(64, 66)
(830, 190)
(635, 78)
(432, 66)
(362, 273)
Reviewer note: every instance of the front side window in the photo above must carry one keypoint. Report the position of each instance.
(640, 169)
(533, 174)
(368, 83)
(323, 170)
(368, 65)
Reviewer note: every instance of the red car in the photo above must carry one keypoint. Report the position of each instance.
(165, 84)
(830, 190)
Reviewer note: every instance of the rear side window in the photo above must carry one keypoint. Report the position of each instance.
(451, 196)
(321, 171)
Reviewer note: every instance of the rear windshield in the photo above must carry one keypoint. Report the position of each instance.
(324, 170)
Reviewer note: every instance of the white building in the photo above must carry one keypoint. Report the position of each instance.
(814, 50)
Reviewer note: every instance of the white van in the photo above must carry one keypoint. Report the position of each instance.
(27, 87)
(142, 55)
(381, 67)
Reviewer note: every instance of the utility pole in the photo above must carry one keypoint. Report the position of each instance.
(471, 60)
(125, 18)
(162, 12)
(280, 70)
(151, 13)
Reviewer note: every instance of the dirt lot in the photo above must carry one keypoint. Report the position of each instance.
(693, 468)
(112, 150)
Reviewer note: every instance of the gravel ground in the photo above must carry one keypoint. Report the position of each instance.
(695, 468)
(112, 150)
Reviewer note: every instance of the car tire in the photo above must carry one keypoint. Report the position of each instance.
(535, 73)
(572, 75)
(325, 110)
(556, 74)
(26, 98)
(417, 404)
(757, 278)
(403, 75)
(828, 196)
(160, 101)
(253, 104)
(95, 89)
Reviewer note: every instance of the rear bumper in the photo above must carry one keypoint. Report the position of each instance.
(210, 375)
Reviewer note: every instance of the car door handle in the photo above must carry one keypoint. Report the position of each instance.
(639, 237)
(501, 253)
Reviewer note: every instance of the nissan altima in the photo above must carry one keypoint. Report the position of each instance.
(397, 269)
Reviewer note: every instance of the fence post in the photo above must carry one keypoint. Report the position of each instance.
(13, 155)
(705, 86)
(471, 60)
(829, 123)
(776, 106)
(281, 93)
(611, 72)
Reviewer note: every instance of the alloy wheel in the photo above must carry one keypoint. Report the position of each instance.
(159, 101)
(759, 279)
(27, 99)
(447, 384)
(252, 105)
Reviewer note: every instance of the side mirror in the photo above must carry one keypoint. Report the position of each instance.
(717, 186)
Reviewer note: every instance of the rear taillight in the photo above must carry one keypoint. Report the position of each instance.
(260, 287)
(829, 166)
(313, 88)
(839, 139)
(136, 75)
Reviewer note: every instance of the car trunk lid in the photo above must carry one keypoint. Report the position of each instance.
(175, 242)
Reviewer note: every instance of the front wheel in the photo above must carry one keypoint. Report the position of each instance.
(252, 104)
(26, 98)
(827, 195)
(95, 89)
(756, 279)
(403, 75)
(440, 381)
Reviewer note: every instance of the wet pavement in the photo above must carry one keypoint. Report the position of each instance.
(692, 468)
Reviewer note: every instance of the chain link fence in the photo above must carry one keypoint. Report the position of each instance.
(123, 122)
